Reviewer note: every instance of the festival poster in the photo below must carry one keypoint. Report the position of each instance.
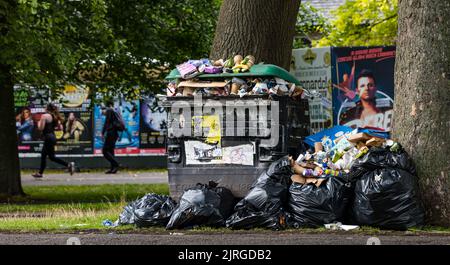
(128, 142)
(29, 103)
(363, 86)
(75, 105)
(312, 67)
(153, 129)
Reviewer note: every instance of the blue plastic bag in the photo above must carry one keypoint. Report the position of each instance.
(327, 137)
(374, 132)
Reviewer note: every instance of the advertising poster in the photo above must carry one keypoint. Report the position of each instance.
(74, 106)
(76, 137)
(128, 142)
(153, 127)
(29, 105)
(363, 86)
(312, 67)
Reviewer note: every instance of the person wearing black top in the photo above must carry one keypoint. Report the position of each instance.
(47, 124)
(110, 136)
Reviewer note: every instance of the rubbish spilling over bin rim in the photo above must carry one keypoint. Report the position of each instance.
(257, 70)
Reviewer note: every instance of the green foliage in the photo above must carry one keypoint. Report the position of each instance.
(46, 40)
(117, 45)
(310, 23)
(158, 35)
(363, 23)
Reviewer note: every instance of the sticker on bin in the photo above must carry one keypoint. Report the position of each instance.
(208, 154)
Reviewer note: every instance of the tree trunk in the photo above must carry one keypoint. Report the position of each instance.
(422, 99)
(263, 28)
(9, 156)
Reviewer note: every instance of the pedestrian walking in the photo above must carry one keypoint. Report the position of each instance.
(50, 121)
(110, 134)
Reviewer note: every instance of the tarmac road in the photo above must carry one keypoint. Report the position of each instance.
(232, 238)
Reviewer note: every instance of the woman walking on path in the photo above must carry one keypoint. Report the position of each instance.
(47, 124)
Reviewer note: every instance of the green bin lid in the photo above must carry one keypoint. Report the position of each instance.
(257, 70)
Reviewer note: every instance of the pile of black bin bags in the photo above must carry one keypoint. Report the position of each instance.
(264, 204)
(206, 205)
(150, 210)
(386, 191)
(203, 204)
(380, 190)
(312, 206)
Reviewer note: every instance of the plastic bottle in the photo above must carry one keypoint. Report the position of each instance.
(334, 173)
(310, 172)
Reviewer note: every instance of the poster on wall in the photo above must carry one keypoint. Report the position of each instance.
(75, 105)
(29, 105)
(128, 142)
(153, 128)
(312, 67)
(363, 86)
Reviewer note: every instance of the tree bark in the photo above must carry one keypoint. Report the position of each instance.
(422, 99)
(263, 28)
(10, 183)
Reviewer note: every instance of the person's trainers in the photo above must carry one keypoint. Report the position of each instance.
(112, 170)
(72, 168)
(37, 175)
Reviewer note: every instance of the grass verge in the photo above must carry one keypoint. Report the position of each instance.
(69, 208)
(72, 209)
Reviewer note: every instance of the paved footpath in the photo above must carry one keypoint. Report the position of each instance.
(96, 178)
(234, 238)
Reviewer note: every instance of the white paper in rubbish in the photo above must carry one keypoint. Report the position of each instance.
(349, 227)
(339, 226)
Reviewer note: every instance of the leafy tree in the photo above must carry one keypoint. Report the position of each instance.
(363, 23)
(107, 44)
(158, 34)
(310, 27)
(42, 43)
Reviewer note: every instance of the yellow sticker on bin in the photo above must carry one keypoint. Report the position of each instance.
(209, 125)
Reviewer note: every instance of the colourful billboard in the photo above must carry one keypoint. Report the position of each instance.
(128, 142)
(363, 86)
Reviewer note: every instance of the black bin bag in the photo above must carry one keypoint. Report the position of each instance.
(386, 191)
(150, 210)
(263, 205)
(312, 206)
(202, 205)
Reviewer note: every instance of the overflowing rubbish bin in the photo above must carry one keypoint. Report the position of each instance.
(240, 156)
(229, 120)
